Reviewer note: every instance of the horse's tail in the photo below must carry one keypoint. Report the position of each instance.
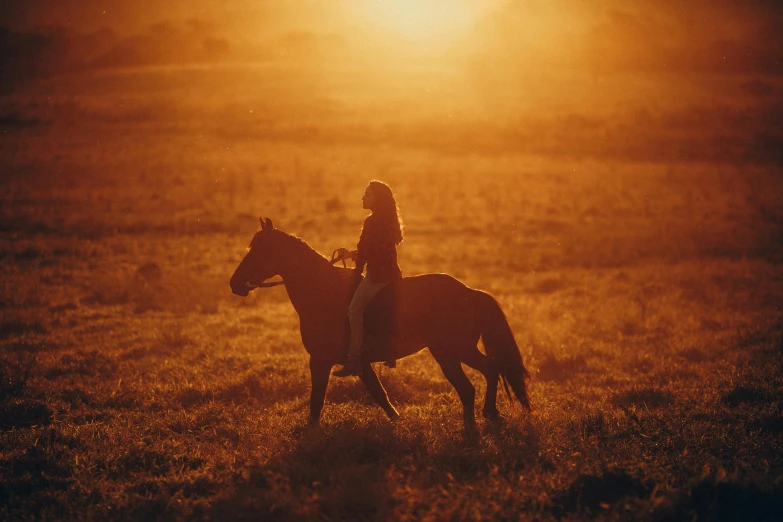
(502, 348)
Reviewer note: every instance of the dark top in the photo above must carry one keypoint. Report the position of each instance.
(378, 250)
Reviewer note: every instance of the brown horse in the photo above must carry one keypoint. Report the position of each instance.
(430, 310)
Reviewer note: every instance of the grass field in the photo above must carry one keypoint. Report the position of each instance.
(645, 296)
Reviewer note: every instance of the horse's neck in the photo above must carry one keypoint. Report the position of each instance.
(309, 280)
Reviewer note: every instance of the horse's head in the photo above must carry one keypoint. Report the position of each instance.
(260, 263)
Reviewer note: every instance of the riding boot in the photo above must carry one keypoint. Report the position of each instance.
(352, 366)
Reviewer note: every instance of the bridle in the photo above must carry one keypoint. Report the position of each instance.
(335, 259)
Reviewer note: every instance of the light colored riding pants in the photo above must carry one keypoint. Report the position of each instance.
(363, 295)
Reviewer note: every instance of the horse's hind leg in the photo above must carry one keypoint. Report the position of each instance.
(478, 361)
(452, 369)
(377, 392)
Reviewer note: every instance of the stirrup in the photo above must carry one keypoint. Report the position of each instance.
(349, 368)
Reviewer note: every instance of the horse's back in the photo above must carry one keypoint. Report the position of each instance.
(415, 292)
(437, 280)
(419, 311)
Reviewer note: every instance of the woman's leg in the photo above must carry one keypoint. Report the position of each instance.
(363, 295)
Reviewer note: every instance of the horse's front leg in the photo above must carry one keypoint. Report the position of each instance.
(377, 392)
(319, 376)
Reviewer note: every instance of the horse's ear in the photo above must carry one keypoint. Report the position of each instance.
(263, 225)
(269, 224)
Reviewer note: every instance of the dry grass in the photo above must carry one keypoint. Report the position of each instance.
(645, 298)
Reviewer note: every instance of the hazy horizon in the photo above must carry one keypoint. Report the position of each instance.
(718, 37)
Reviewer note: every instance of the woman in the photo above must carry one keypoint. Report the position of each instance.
(377, 249)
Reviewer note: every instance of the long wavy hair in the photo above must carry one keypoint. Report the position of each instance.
(386, 208)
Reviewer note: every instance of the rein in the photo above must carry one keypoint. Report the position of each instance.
(269, 284)
(335, 259)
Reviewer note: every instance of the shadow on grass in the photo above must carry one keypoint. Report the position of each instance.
(771, 424)
(35, 481)
(351, 471)
(711, 499)
(16, 367)
(17, 327)
(593, 493)
(337, 472)
(23, 414)
(745, 395)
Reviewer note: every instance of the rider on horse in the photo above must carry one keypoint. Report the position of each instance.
(377, 249)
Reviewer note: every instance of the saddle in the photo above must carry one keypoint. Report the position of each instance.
(379, 320)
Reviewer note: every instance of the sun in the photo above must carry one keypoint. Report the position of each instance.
(423, 22)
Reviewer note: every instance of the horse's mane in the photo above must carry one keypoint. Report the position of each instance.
(296, 245)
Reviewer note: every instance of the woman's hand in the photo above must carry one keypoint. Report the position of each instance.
(344, 253)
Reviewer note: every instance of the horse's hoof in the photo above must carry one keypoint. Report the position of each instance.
(392, 413)
(492, 416)
(470, 433)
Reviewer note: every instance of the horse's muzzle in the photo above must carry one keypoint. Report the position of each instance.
(241, 289)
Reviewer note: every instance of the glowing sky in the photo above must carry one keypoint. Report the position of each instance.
(702, 35)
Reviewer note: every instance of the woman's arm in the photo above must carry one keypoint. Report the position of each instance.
(344, 253)
(366, 239)
(360, 258)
